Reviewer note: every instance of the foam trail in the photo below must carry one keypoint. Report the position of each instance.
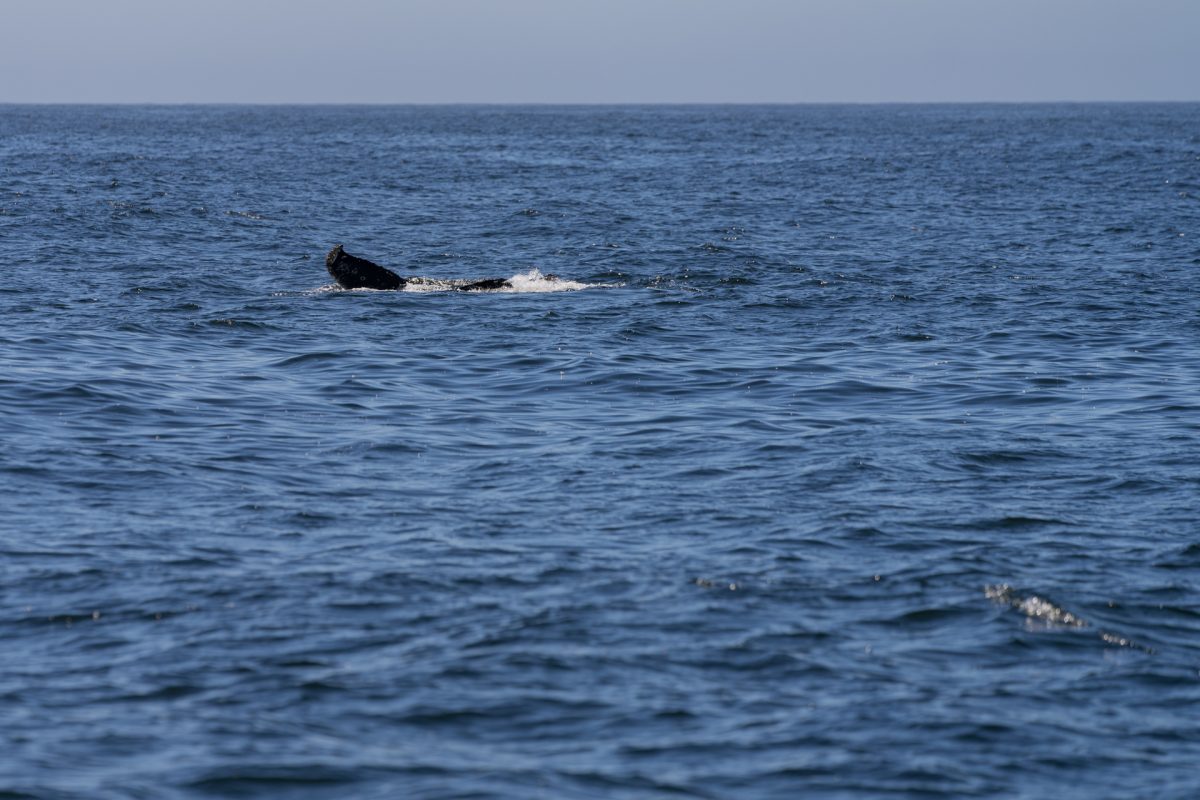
(535, 281)
(521, 283)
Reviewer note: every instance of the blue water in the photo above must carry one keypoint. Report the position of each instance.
(861, 459)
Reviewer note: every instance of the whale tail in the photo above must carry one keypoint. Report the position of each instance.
(352, 272)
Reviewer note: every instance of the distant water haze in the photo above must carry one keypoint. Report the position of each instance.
(618, 51)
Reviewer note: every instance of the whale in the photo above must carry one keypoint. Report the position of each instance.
(352, 272)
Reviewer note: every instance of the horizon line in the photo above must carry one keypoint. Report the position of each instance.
(587, 103)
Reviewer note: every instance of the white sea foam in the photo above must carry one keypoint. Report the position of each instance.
(535, 281)
(521, 283)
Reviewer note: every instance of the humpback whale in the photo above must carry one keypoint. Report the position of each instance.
(352, 272)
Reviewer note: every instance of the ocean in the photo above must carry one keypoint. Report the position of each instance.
(854, 452)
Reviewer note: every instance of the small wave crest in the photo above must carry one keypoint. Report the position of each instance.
(1033, 607)
(1041, 613)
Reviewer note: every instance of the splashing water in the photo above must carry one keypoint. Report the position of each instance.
(1033, 607)
(535, 281)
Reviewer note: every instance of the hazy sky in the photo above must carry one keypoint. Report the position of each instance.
(590, 51)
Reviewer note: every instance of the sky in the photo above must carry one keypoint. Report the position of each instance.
(597, 51)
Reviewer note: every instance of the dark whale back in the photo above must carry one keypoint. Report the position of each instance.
(352, 272)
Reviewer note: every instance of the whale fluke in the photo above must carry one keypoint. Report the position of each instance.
(352, 272)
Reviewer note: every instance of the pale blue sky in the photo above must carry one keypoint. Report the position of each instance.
(595, 51)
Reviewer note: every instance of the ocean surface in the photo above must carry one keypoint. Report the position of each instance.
(855, 453)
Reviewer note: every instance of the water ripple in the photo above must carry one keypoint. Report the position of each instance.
(719, 527)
